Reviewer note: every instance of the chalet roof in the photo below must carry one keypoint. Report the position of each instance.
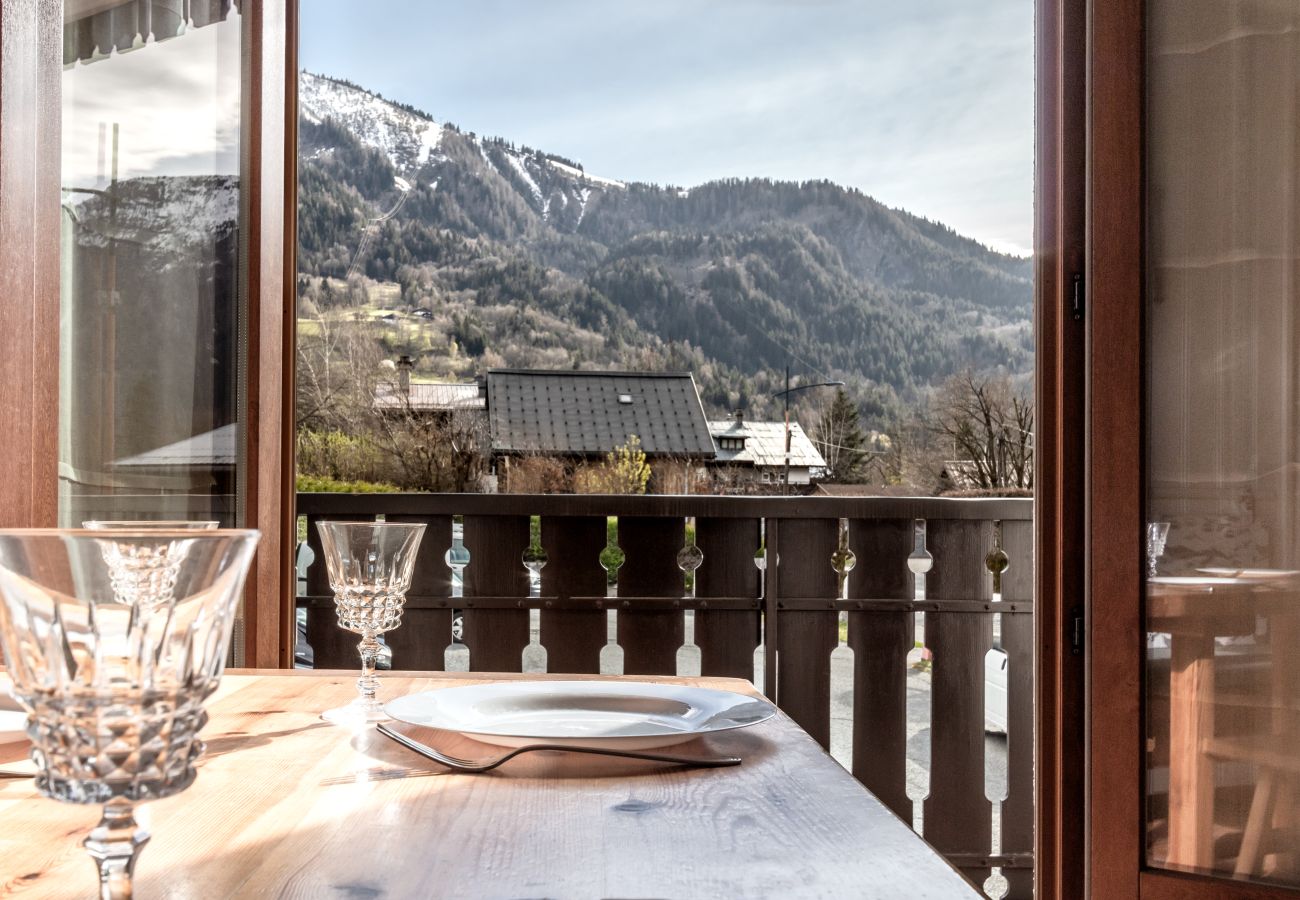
(430, 397)
(592, 413)
(765, 445)
(219, 447)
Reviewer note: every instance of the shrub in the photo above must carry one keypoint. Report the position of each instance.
(323, 484)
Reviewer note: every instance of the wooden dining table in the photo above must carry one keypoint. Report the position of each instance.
(1197, 613)
(286, 805)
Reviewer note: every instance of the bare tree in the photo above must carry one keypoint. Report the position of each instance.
(338, 368)
(990, 425)
(536, 473)
(443, 451)
(344, 428)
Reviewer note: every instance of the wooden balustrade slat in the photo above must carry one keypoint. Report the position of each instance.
(1018, 643)
(573, 638)
(650, 640)
(881, 642)
(331, 646)
(805, 640)
(420, 643)
(318, 581)
(958, 816)
(496, 637)
(727, 638)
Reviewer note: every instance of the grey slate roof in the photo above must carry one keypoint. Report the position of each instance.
(580, 413)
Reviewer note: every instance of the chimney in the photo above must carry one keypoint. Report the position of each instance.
(404, 367)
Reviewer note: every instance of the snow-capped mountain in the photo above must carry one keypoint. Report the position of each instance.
(530, 260)
(409, 139)
(418, 146)
(174, 217)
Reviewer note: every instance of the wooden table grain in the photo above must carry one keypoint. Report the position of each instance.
(260, 821)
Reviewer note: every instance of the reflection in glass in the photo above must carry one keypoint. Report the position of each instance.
(151, 305)
(1223, 438)
(1157, 536)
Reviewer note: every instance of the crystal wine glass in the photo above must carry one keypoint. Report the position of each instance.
(1157, 535)
(114, 679)
(145, 573)
(370, 566)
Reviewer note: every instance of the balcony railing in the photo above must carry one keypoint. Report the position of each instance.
(794, 602)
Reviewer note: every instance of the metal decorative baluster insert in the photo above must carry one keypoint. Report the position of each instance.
(843, 560)
(997, 560)
(612, 557)
(919, 561)
(457, 557)
(690, 557)
(534, 557)
(689, 560)
(760, 555)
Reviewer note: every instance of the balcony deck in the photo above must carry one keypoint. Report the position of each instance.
(796, 606)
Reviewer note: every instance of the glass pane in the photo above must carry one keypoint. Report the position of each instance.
(1223, 593)
(151, 304)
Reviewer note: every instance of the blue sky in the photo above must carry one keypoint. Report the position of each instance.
(925, 105)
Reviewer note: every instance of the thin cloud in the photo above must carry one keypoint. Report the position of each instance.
(176, 105)
(926, 106)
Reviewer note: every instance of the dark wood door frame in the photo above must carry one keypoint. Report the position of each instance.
(31, 63)
(1060, 103)
(1114, 446)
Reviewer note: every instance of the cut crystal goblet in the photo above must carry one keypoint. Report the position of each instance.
(370, 565)
(114, 677)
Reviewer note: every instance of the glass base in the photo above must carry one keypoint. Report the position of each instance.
(356, 714)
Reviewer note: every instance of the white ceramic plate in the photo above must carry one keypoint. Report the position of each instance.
(1252, 574)
(615, 714)
(1202, 581)
(13, 726)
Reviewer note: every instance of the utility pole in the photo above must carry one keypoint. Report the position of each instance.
(785, 489)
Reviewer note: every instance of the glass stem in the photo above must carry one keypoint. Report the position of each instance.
(115, 844)
(368, 684)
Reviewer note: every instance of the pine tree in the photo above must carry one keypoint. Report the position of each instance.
(840, 439)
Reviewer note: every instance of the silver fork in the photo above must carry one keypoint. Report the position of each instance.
(484, 765)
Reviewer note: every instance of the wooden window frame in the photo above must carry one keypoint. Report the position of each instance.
(31, 56)
(31, 63)
(1115, 494)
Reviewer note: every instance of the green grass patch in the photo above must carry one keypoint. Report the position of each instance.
(321, 484)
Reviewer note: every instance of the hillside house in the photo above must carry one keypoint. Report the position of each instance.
(425, 398)
(753, 453)
(576, 417)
